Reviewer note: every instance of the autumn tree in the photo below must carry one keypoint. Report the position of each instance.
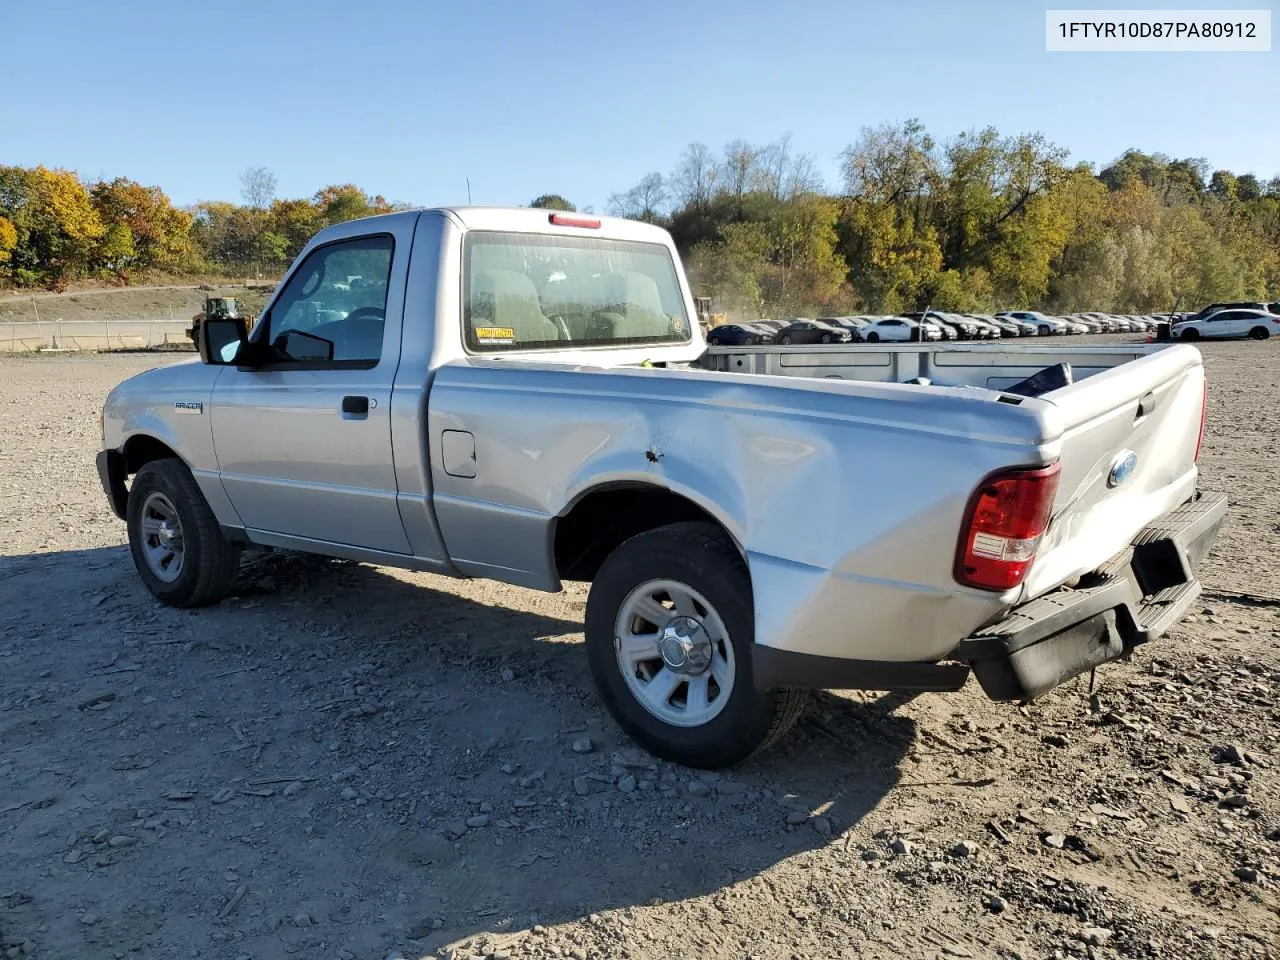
(142, 228)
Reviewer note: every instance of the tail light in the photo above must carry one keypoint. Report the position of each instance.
(1204, 409)
(1006, 517)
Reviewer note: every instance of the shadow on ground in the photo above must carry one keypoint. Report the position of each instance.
(387, 686)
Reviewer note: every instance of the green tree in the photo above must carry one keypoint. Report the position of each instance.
(552, 201)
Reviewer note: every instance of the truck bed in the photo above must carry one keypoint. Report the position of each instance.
(992, 366)
(1143, 401)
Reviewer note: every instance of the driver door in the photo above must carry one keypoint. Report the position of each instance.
(304, 441)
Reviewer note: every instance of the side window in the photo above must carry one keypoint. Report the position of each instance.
(334, 306)
(1224, 315)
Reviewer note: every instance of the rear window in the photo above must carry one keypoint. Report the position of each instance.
(534, 291)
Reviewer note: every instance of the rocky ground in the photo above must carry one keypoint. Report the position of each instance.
(356, 762)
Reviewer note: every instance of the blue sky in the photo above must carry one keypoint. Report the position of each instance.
(408, 99)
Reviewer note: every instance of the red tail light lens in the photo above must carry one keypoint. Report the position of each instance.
(1006, 517)
(1204, 409)
(567, 220)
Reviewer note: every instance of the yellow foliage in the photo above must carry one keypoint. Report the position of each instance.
(65, 200)
(8, 239)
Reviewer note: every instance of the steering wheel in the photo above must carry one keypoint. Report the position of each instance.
(361, 313)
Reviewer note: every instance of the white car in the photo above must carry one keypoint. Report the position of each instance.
(889, 329)
(1256, 324)
(1045, 326)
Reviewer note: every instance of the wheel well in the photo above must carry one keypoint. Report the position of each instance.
(141, 450)
(604, 518)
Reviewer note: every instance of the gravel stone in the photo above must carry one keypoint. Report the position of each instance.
(699, 789)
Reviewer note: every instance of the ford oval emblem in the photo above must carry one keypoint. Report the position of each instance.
(1122, 468)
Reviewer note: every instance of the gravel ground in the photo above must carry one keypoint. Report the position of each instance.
(350, 761)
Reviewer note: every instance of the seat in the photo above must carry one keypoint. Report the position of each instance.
(505, 298)
(636, 298)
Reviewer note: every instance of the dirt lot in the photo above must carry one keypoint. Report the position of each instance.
(348, 761)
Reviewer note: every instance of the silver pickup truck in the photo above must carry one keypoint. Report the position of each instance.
(522, 395)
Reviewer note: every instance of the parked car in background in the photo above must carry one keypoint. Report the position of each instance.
(765, 331)
(1045, 326)
(735, 335)
(1256, 324)
(891, 329)
(1090, 324)
(945, 331)
(1074, 326)
(855, 325)
(965, 329)
(986, 330)
(1236, 305)
(1008, 328)
(812, 331)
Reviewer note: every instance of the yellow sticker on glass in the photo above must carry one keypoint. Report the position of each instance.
(495, 333)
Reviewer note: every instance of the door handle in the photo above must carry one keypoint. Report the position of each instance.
(356, 405)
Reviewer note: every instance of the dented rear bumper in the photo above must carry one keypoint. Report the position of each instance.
(1136, 597)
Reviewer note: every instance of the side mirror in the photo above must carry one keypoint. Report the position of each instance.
(298, 345)
(221, 340)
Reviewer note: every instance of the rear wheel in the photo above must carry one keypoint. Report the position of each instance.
(669, 629)
(1259, 333)
(177, 545)
(786, 338)
(873, 337)
(1191, 333)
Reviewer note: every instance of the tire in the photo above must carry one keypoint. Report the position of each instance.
(786, 338)
(1045, 331)
(826, 338)
(696, 558)
(1259, 333)
(873, 337)
(1190, 334)
(205, 564)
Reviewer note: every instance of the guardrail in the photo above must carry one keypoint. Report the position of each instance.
(92, 335)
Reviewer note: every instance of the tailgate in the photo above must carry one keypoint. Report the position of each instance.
(1128, 456)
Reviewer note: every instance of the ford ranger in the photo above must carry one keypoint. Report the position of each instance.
(524, 396)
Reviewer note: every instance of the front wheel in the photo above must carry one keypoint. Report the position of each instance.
(826, 338)
(669, 630)
(873, 337)
(786, 338)
(1259, 333)
(1191, 334)
(180, 551)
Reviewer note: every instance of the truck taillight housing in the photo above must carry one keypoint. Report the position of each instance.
(1204, 409)
(1006, 517)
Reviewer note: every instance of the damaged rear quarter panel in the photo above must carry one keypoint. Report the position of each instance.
(846, 498)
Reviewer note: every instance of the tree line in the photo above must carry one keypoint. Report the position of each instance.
(55, 228)
(977, 221)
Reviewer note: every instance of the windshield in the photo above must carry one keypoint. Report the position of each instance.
(535, 291)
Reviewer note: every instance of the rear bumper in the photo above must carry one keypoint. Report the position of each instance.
(111, 471)
(1135, 598)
